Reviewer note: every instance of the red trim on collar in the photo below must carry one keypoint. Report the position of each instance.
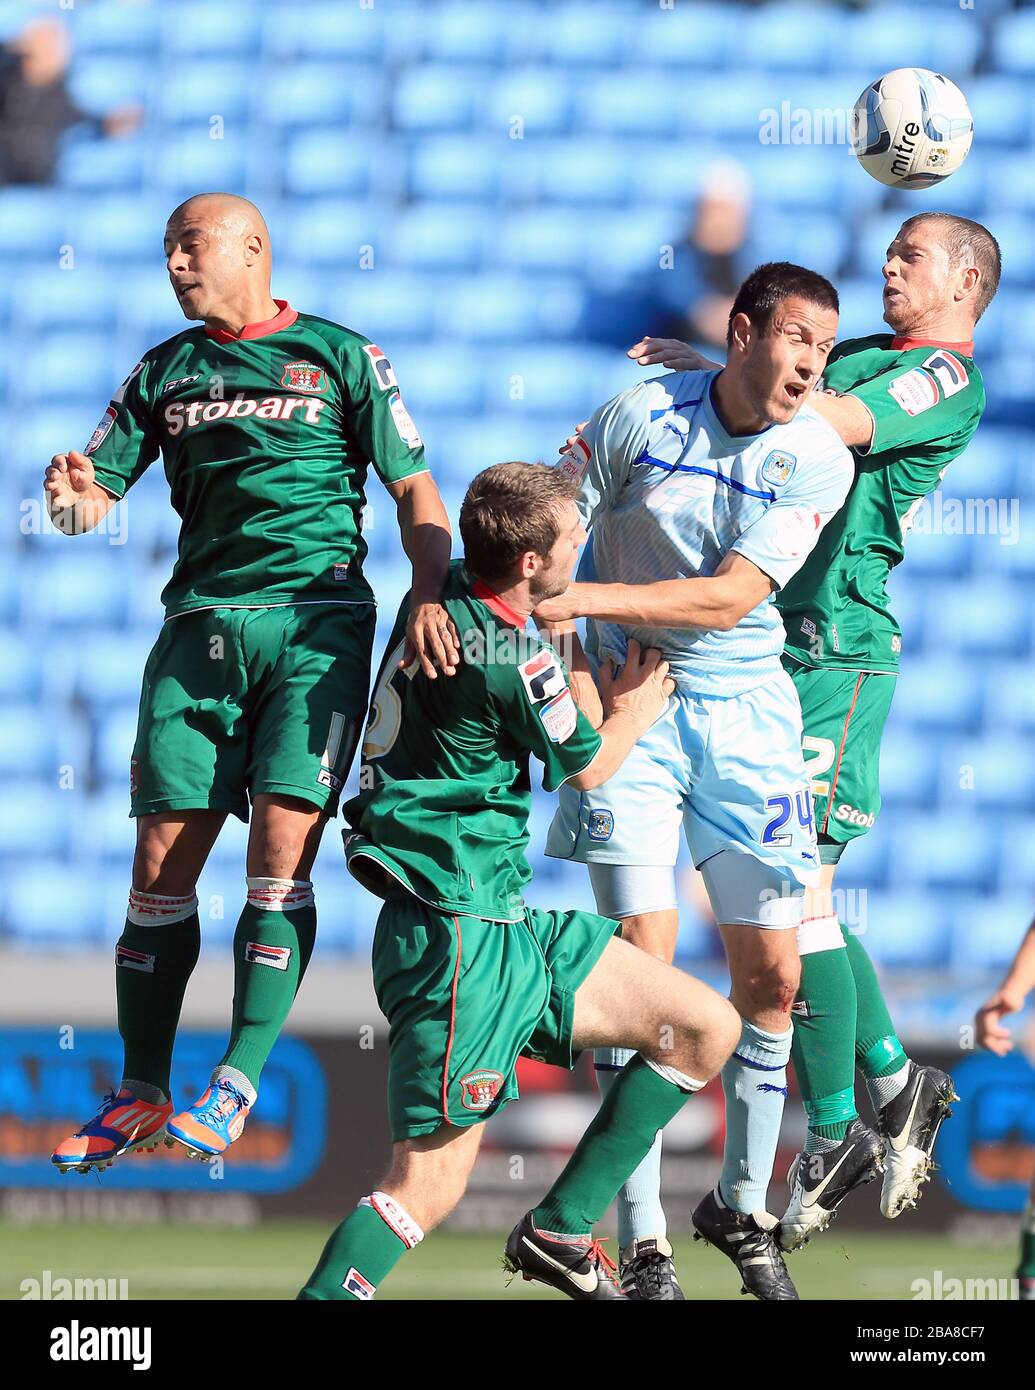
(284, 319)
(904, 344)
(492, 600)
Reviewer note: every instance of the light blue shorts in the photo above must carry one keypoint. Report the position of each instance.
(730, 772)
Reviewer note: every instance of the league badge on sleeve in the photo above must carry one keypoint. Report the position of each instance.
(404, 421)
(915, 391)
(100, 434)
(778, 468)
(560, 717)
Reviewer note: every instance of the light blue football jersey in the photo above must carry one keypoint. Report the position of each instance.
(666, 493)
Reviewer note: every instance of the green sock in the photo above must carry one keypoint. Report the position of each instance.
(638, 1105)
(362, 1252)
(1026, 1268)
(823, 1047)
(878, 1051)
(154, 958)
(272, 946)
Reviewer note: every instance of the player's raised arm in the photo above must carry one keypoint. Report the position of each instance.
(671, 353)
(424, 526)
(75, 500)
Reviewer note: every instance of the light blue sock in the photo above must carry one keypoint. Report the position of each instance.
(755, 1082)
(640, 1212)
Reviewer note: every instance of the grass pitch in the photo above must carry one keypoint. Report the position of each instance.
(272, 1261)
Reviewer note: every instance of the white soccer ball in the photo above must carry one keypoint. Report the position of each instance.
(912, 128)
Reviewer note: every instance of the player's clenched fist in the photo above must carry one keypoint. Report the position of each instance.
(642, 687)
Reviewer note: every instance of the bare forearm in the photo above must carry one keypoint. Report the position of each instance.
(1020, 978)
(426, 539)
(847, 415)
(705, 603)
(618, 733)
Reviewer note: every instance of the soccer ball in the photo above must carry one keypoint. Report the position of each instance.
(912, 128)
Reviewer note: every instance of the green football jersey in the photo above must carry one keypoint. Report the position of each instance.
(445, 791)
(266, 440)
(926, 399)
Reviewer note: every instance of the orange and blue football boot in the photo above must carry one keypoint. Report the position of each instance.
(212, 1123)
(123, 1124)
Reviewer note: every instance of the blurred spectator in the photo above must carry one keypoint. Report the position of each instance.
(35, 105)
(690, 295)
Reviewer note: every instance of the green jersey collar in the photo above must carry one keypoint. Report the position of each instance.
(284, 319)
(503, 611)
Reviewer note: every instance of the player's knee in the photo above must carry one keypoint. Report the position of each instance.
(151, 870)
(770, 987)
(715, 1033)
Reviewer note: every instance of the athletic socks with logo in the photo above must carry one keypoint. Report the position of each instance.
(363, 1251)
(640, 1213)
(823, 1018)
(643, 1098)
(272, 945)
(754, 1081)
(154, 958)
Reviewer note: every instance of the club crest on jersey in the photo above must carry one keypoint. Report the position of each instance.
(778, 467)
(542, 677)
(601, 825)
(359, 1287)
(479, 1089)
(256, 953)
(305, 376)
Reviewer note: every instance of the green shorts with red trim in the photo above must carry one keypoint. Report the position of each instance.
(843, 716)
(240, 702)
(465, 998)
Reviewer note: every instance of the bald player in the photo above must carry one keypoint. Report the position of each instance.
(267, 421)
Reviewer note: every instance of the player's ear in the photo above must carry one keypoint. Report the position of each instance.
(741, 330)
(252, 247)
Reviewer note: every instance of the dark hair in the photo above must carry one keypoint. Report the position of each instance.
(511, 508)
(967, 241)
(769, 284)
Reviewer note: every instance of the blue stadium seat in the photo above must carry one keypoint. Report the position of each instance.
(21, 665)
(698, 36)
(948, 850)
(114, 27)
(53, 903)
(1017, 857)
(27, 744)
(100, 84)
(192, 163)
(391, 306)
(447, 236)
(115, 735)
(102, 165)
(1013, 43)
(986, 930)
(529, 241)
(43, 300)
(819, 240)
(191, 93)
(628, 245)
(472, 32)
(329, 31)
(447, 379)
(1009, 698)
(551, 379)
(318, 161)
(1004, 114)
(94, 588)
(83, 362)
(497, 307)
(905, 928)
(879, 37)
(986, 468)
(580, 172)
(343, 100)
(33, 222)
(333, 231)
(438, 97)
(110, 668)
(197, 29)
(543, 99)
(994, 773)
(454, 166)
(113, 227)
(790, 35)
(982, 619)
(909, 757)
(584, 34)
(938, 692)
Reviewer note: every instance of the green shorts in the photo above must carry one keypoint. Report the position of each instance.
(843, 716)
(465, 998)
(239, 701)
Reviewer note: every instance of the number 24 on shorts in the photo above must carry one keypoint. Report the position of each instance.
(784, 806)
